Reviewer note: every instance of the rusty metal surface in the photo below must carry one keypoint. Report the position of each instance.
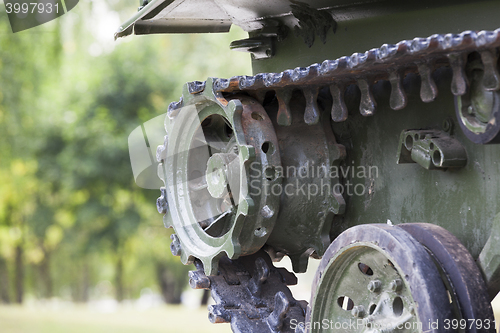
(251, 294)
(389, 62)
(308, 152)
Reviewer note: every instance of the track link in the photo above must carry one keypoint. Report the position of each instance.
(251, 294)
(389, 62)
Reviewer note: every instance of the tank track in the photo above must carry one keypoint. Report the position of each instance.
(250, 292)
(389, 62)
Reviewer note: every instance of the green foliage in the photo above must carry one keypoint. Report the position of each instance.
(68, 202)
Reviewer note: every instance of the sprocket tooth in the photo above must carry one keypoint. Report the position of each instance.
(211, 265)
(339, 109)
(247, 153)
(234, 106)
(459, 81)
(428, 88)
(491, 78)
(368, 105)
(284, 117)
(161, 151)
(247, 206)
(299, 261)
(311, 115)
(398, 97)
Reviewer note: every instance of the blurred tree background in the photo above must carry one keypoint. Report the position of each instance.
(73, 224)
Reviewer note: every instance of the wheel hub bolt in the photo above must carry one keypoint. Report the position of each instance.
(358, 311)
(374, 286)
(222, 170)
(397, 285)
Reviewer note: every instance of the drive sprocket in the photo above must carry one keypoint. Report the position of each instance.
(217, 150)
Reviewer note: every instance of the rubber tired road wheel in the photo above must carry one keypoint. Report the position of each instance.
(378, 278)
(465, 282)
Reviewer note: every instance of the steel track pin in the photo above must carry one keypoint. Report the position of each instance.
(217, 314)
(281, 307)
(161, 202)
(198, 280)
(175, 246)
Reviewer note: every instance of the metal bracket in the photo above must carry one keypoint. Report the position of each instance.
(431, 149)
(261, 47)
(262, 43)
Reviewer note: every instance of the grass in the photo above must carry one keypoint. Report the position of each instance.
(82, 319)
(72, 318)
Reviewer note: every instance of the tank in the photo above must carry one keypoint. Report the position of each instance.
(367, 138)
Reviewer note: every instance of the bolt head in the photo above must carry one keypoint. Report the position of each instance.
(412, 310)
(358, 311)
(448, 123)
(397, 285)
(374, 286)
